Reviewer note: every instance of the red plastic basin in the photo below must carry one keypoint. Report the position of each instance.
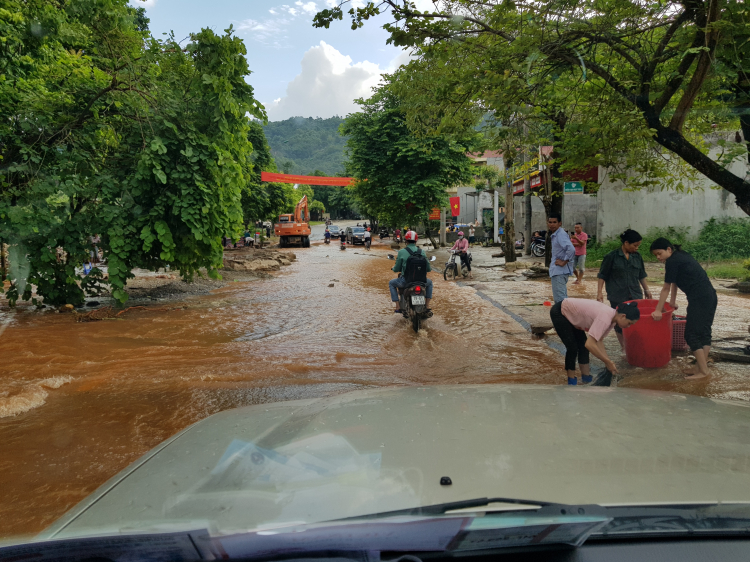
(648, 343)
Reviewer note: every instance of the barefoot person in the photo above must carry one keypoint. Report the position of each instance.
(572, 318)
(685, 273)
(623, 274)
(579, 239)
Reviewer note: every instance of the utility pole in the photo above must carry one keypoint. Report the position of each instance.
(496, 220)
(442, 227)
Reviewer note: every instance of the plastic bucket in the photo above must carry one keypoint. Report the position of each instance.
(648, 343)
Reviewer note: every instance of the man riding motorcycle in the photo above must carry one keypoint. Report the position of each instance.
(462, 246)
(400, 282)
(327, 236)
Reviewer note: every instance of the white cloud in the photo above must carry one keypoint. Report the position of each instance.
(143, 3)
(272, 12)
(328, 84)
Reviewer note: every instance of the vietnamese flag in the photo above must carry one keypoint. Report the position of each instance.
(455, 206)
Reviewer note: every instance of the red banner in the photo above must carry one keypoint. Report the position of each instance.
(455, 206)
(435, 214)
(305, 180)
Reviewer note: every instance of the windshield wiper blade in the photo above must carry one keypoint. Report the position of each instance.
(545, 508)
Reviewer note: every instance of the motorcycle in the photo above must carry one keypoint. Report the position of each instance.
(384, 233)
(368, 242)
(343, 245)
(327, 240)
(412, 301)
(452, 269)
(538, 247)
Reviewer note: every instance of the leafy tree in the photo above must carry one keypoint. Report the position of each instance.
(680, 67)
(401, 177)
(111, 132)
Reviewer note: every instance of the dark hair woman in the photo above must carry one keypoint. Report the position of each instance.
(623, 274)
(572, 318)
(683, 272)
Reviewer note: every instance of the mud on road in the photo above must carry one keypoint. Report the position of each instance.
(80, 401)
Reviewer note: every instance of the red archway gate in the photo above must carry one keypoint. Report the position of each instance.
(305, 180)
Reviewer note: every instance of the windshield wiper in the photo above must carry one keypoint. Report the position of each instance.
(544, 508)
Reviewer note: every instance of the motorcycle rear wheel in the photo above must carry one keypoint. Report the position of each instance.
(538, 251)
(415, 322)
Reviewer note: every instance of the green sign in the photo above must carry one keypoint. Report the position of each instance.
(573, 187)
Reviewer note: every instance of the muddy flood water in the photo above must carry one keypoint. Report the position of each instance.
(80, 401)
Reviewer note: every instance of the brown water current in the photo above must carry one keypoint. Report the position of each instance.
(80, 401)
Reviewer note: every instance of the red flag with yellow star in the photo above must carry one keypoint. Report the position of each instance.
(455, 206)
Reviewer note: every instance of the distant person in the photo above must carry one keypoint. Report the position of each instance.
(623, 274)
(95, 241)
(563, 252)
(572, 318)
(579, 238)
(397, 234)
(685, 273)
(472, 238)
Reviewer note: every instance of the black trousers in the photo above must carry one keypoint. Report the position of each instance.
(698, 321)
(466, 261)
(573, 339)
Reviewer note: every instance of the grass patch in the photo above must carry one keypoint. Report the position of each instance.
(315, 223)
(728, 270)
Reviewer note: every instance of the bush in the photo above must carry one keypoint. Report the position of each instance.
(718, 240)
(722, 240)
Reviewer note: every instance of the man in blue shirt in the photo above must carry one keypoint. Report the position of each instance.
(563, 252)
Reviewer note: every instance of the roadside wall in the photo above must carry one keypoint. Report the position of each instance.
(647, 209)
(577, 207)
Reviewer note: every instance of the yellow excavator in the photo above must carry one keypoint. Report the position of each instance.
(293, 229)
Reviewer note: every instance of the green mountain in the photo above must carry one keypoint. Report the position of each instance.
(301, 145)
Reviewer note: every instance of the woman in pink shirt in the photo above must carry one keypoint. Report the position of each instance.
(572, 318)
(462, 246)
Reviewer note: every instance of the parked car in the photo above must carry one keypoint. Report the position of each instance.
(355, 235)
(334, 230)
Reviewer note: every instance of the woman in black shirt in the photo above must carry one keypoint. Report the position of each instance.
(623, 274)
(685, 273)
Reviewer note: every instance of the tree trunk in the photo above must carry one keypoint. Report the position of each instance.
(509, 230)
(527, 216)
(428, 233)
(3, 265)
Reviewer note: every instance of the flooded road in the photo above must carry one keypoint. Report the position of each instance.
(80, 401)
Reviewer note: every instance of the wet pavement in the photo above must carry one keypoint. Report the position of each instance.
(80, 401)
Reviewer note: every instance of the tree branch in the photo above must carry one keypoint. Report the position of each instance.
(701, 71)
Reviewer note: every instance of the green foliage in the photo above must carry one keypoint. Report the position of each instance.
(302, 145)
(401, 177)
(646, 88)
(718, 240)
(114, 133)
(732, 270)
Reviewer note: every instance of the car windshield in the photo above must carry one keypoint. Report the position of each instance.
(295, 272)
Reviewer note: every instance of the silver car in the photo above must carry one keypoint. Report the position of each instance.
(456, 470)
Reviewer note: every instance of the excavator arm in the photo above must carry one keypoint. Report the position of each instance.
(301, 214)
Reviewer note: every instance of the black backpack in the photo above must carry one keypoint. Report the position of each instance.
(416, 267)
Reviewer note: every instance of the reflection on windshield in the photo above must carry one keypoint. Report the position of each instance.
(261, 486)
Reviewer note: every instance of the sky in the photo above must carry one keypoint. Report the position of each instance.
(297, 70)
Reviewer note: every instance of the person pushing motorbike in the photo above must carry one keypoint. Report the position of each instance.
(400, 282)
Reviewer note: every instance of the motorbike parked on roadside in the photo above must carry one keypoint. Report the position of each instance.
(539, 247)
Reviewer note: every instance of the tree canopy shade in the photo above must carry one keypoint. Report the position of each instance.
(672, 69)
(109, 131)
(400, 177)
